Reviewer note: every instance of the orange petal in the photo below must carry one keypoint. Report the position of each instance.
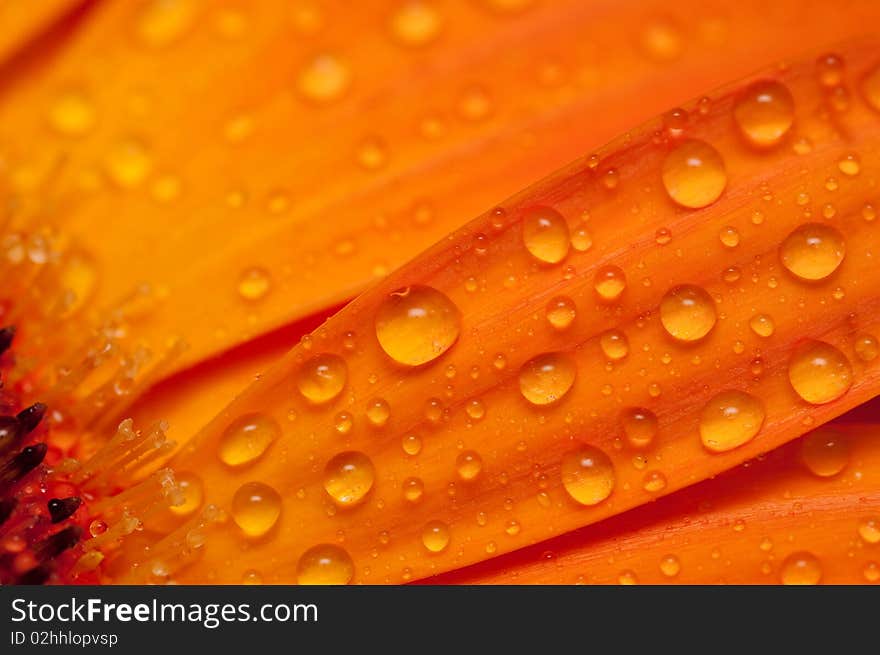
(518, 416)
(773, 520)
(24, 21)
(165, 128)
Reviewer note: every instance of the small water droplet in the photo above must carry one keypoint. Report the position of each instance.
(412, 445)
(128, 162)
(867, 348)
(324, 79)
(254, 283)
(670, 566)
(72, 113)
(762, 325)
(191, 487)
(729, 237)
(415, 23)
(378, 412)
(413, 489)
(869, 530)
(849, 165)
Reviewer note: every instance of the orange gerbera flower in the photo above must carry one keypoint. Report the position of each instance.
(192, 187)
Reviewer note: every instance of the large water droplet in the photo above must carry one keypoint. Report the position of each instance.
(764, 113)
(819, 373)
(545, 234)
(729, 420)
(435, 536)
(588, 475)
(694, 174)
(801, 568)
(324, 564)
(348, 478)
(639, 426)
(417, 324)
(256, 508)
(825, 452)
(322, 378)
(545, 379)
(247, 438)
(324, 79)
(687, 312)
(813, 251)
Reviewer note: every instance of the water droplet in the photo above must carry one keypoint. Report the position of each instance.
(72, 113)
(867, 348)
(545, 379)
(670, 566)
(663, 236)
(251, 577)
(343, 422)
(256, 508)
(662, 40)
(412, 445)
(324, 564)
(417, 324)
(475, 104)
(545, 234)
(191, 487)
(628, 578)
(254, 283)
(610, 282)
(819, 373)
(378, 412)
(869, 530)
(871, 88)
(729, 420)
(829, 70)
(435, 536)
(871, 572)
(762, 325)
(729, 237)
(849, 165)
(801, 568)
(639, 426)
(561, 312)
(321, 378)
(469, 464)
(372, 153)
(813, 251)
(162, 22)
(614, 344)
(475, 409)
(415, 23)
(764, 113)
(694, 174)
(588, 475)
(687, 312)
(654, 481)
(247, 438)
(413, 489)
(348, 478)
(324, 79)
(581, 239)
(128, 162)
(825, 452)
